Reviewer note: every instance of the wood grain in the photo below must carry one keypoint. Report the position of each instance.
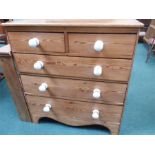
(111, 93)
(76, 22)
(75, 113)
(115, 45)
(76, 67)
(121, 30)
(15, 87)
(67, 52)
(49, 42)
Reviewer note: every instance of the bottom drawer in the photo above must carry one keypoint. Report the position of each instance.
(75, 113)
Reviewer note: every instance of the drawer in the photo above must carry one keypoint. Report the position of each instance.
(114, 45)
(74, 112)
(110, 69)
(24, 42)
(110, 93)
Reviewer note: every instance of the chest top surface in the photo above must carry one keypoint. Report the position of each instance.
(77, 22)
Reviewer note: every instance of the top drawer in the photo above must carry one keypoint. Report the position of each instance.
(46, 43)
(114, 45)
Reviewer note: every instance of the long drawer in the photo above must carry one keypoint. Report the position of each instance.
(74, 112)
(114, 45)
(48, 42)
(111, 69)
(110, 93)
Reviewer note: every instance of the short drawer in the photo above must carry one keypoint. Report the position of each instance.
(102, 45)
(33, 42)
(90, 68)
(110, 93)
(74, 112)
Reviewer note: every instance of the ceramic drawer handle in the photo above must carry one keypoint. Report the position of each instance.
(95, 114)
(47, 108)
(43, 87)
(38, 65)
(96, 93)
(98, 45)
(97, 70)
(34, 42)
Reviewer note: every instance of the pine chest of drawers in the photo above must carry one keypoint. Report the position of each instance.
(73, 71)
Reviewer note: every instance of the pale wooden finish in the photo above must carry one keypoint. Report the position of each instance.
(74, 112)
(49, 42)
(115, 45)
(129, 30)
(69, 59)
(77, 23)
(15, 87)
(111, 93)
(12, 78)
(113, 69)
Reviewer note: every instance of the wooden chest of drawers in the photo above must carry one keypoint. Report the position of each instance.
(73, 71)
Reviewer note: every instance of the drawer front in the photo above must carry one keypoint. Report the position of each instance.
(48, 42)
(114, 45)
(110, 93)
(73, 112)
(111, 69)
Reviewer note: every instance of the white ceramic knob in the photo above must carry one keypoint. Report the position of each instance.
(96, 93)
(97, 70)
(47, 108)
(38, 65)
(34, 42)
(95, 114)
(99, 45)
(43, 87)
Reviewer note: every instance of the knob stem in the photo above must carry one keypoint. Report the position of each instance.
(97, 70)
(38, 65)
(96, 93)
(95, 114)
(99, 45)
(43, 87)
(47, 108)
(34, 42)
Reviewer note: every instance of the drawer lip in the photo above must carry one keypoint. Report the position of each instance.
(115, 45)
(75, 67)
(80, 90)
(74, 112)
(76, 100)
(72, 78)
(48, 42)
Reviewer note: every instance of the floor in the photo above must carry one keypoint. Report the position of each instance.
(138, 118)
